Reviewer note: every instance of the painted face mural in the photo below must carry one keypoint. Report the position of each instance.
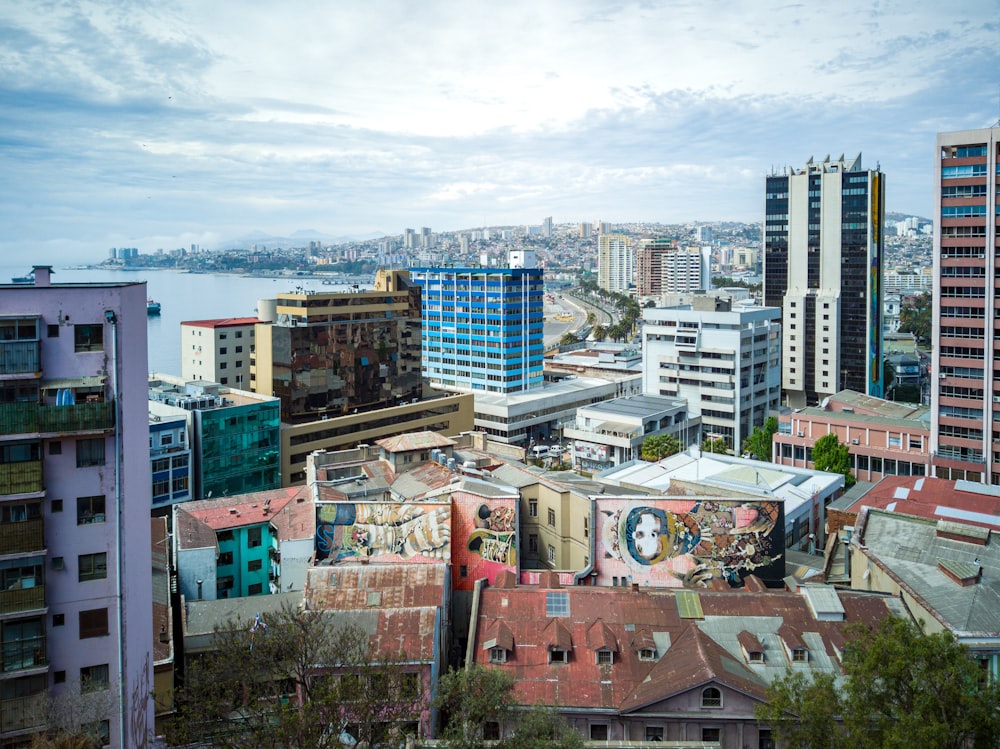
(370, 529)
(690, 541)
(494, 538)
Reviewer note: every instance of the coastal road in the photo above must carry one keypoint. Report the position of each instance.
(554, 329)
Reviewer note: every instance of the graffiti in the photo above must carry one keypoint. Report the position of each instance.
(362, 530)
(690, 541)
(494, 534)
(139, 713)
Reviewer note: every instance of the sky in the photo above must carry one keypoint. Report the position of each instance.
(159, 125)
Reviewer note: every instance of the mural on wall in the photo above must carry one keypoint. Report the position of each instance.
(363, 530)
(675, 543)
(485, 538)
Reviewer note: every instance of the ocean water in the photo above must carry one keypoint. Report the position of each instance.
(183, 297)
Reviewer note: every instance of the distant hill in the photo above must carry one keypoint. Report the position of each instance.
(298, 238)
(897, 216)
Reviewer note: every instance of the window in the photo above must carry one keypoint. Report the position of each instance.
(605, 657)
(598, 731)
(58, 620)
(533, 508)
(586, 527)
(93, 566)
(93, 623)
(498, 655)
(55, 447)
(57, 505)
(101, 729)
(59, 677)
(556, 604)
(463, 571)
(800, 655)
(89, 510)
(256, 589)
(711, 697)
(533, 543)
(90, 452)
(552, 517)
(94, 678)
(254, 565)
(764, 739)
(647, 654)
(253, 537)
(491, 730)
(239, 349)
(88, 338)
(552, 554)
(222, 365)
(225, 558)
(654, 733)
(222, 351)
(53, 331)
(711, 734)
(558, 655)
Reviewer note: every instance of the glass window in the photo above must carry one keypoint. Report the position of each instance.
(93, 566)
(94, 678)
(254, 565)
(598, 731)
(90, 452)
(556, 604)
(711, 697)
(88, 338)
(93, 623)
(654, 733)
(253, 537)
(90, 510)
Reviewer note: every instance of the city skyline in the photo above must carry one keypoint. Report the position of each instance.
(192, 124)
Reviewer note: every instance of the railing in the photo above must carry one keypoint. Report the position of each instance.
(20, 357)
(22, 655)
(22, 599)
(26, 536)
(33, 418)
(21, 478)
(23, 713)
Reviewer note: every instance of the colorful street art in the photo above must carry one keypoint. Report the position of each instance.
(364, 530)
(675, 543)
(485, 538)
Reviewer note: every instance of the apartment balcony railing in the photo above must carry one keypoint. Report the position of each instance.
(21, 478)
(22, 600)
(20, 357)
(23, 537)
(23, 713)
(34, 418)
(23, 655)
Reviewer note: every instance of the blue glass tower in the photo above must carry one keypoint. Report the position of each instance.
(482, 328)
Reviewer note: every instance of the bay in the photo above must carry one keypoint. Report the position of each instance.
(184, 297)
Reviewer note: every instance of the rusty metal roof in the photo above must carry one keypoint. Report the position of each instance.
(402, 443)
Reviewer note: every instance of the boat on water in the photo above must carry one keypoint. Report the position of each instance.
(30, 278)
(152, 308)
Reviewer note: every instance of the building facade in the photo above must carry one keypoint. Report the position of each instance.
(218, 350)
(724, 359)
(325, 355)
(965, 395)
(74, 505)
(615, 262)
(169, 455)
(482, 328)
(823, 233)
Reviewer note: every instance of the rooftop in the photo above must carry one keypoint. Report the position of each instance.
(222, 322)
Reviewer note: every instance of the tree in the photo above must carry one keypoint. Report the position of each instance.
(717, 445)
(916, 317)
(831, 456)
(298, 679)
(600, 332)
(478, 705)
(568, 339)
(660, 446)
(901, 688)
(758, 444)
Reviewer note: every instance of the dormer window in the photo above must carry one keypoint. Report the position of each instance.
(605, 657)
(498, 655)
(755, 656)
(711, 697)
(647, 654)
(800, 655)
(558, 655)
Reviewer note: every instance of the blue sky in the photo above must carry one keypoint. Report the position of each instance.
(162, 124)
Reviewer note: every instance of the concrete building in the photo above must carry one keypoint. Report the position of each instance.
(823, 233)
(724, 359)
(604, 360)
(74, 505)
(884, 438)
(663, 267)
(218, 350)
(615, 262)
(234, 434)
(608, 434)
(169, 454)
(482, 327)
(649, 256)
(965, 395)
(330, 354)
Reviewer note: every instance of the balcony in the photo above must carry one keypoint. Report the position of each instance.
(21, 600)
(20, 478)
(20, 357)
(23, 537)
(23, 713)
(23, 655)
(34, 418)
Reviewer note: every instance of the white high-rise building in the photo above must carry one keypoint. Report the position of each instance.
(615, 262)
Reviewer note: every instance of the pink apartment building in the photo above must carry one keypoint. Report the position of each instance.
(75, 573)
(884, 438)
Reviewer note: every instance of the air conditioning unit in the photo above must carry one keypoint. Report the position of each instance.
(854, 442)
(802, 434)
(996, 398)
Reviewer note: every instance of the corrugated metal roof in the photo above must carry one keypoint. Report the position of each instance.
(414, 441)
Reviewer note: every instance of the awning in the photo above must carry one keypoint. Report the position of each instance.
(74, 383)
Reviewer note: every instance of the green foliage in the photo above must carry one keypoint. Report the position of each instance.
(916, 317)
(568, 339)
(472, 698)
(758, 444)
(660, 446)
(901, 689)
(600, 332)
(717, 445)
(831, 456)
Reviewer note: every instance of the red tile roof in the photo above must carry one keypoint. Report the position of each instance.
(244, 509)
(926, 497)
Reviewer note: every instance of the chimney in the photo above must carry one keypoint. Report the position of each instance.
(43, 275)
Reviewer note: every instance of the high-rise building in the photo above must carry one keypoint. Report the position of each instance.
(649, 265)
(965, 391)
(614, 262)
(218, 350)
(547, 227)
(823, 269)
(482, 327)
(329, 354)
(74, 511)
(584, 230)
(663, 267)
(725, 359)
